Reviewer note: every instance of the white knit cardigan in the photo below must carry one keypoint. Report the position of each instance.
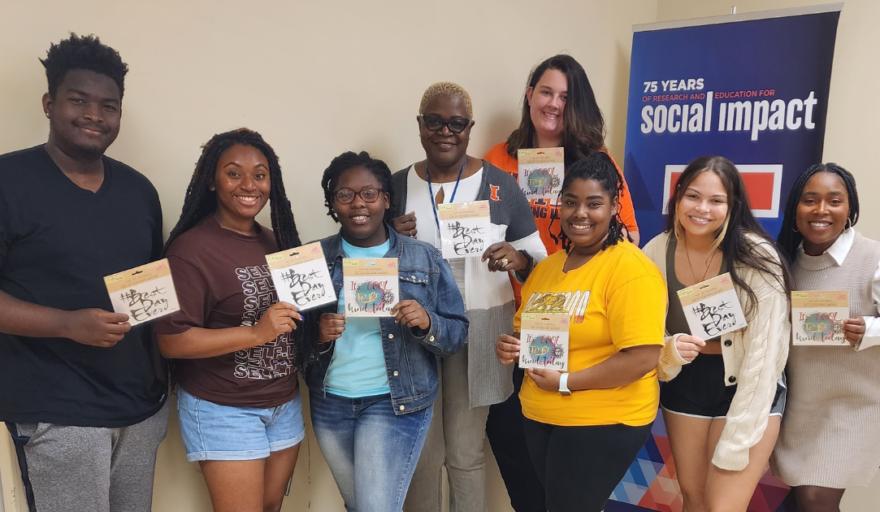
(754, 357)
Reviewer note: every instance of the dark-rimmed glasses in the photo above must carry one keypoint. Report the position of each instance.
(436, 123)
(346, 195)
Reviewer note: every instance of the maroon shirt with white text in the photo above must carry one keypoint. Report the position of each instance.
(222, 280)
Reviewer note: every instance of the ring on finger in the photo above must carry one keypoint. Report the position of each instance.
(503, 262)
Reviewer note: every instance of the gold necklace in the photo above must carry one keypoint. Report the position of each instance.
(687, 255)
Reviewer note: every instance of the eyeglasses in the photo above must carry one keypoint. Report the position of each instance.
(346, 195)
(436, 123)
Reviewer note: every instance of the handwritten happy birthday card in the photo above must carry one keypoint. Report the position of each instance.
(817, 318)
(371, 286)
(301, 276)
(544, 340)
(540, 172)
(143, 293)
(712, 307)
(465, 228)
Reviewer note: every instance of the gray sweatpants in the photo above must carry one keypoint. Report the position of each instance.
(90, 468)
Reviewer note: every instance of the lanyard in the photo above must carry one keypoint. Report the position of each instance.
(431, 190)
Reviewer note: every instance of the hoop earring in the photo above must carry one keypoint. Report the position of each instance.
(848, 224)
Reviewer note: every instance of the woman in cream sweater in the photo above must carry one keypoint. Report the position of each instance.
(829, 438)
(723, 397)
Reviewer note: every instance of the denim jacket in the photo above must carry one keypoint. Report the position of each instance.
(410, 355)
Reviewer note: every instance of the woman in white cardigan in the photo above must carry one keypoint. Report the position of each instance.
(722, 398)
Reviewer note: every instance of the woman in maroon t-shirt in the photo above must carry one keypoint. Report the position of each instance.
(239, 407)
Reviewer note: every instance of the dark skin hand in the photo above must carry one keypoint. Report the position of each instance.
(502, 256)
(97, 328)
(199, 342)
(405, 224)
(854, 330)
(411, 314)
(330, 327)
(277, 320)
(93, 327)
(507, 348)
(622, 368)
(495, 254)
(407, 312)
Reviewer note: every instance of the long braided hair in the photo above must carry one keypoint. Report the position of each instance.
(200, 201)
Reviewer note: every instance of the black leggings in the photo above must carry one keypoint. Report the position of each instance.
(580, 466)
(504, 428)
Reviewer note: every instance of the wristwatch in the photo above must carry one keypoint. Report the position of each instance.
(563, 385)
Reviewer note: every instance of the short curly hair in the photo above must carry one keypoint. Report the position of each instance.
(450, 89)
(349, 160)
(83, 52)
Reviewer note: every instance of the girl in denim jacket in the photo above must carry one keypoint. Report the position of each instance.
(373, 380)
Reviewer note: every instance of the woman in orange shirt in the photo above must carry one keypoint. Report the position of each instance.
(559, 110)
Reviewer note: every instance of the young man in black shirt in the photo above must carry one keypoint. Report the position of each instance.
(81, 391)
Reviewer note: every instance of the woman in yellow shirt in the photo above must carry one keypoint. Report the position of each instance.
(584, 428)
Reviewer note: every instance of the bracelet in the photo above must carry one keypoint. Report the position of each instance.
(530, 262)
(521, 275)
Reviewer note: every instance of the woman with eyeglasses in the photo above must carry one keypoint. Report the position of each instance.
(472, 379)
(559, 109)
(830, 433)
(372, 381)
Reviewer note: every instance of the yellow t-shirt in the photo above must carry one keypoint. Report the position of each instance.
(616, 300)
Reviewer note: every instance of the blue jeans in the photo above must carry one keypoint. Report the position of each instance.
(371, 452)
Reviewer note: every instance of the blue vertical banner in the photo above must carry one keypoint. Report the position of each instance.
(753, 88)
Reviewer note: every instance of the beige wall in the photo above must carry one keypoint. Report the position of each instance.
(317, 79)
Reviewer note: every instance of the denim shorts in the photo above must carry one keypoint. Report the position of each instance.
(699, 390)
(212, 431)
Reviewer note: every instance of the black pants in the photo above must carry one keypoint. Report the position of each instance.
(580, 466)
(504, 428)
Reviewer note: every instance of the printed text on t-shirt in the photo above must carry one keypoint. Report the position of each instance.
(275, 358)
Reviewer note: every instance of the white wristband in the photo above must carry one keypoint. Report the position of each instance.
(563, 385)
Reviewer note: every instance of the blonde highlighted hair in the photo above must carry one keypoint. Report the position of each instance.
(449, 89)
(741, 240)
